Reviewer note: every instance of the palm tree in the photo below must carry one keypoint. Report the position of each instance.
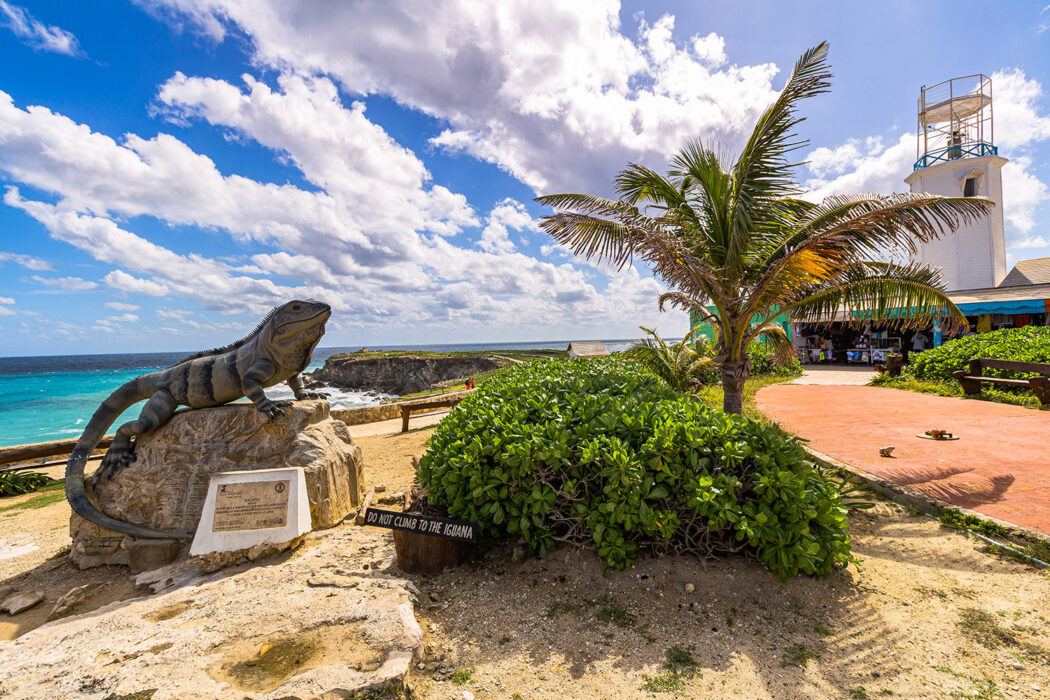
(736, 245)
(680, 364)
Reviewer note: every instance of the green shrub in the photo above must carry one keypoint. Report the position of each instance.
(1028, 344)
(603, 452)
(763, 361)
(17, 483)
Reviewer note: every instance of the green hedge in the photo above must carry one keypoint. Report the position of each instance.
(603, 452)
(1028, 344)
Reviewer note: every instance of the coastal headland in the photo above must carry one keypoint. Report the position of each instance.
(404, 373)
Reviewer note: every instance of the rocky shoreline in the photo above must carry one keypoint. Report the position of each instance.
(399, 374)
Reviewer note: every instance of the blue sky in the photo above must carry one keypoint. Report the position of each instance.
(172, 168)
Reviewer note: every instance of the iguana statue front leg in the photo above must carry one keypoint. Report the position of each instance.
(252, 384)
(296, 385)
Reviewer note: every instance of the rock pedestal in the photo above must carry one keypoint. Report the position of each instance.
(166, 486)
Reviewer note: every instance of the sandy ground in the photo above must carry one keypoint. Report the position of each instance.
(926, 615)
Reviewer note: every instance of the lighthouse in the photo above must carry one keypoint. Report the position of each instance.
(956, 156)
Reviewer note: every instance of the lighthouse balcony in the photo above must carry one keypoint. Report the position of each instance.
(966, 150)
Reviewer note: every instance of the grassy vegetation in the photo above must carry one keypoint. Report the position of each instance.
(712, 395)
(985, 629)
(952, 388)
(52, 493)
(1038, 549)
(463, 676)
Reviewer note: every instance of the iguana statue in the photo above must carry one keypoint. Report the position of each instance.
(276, 351)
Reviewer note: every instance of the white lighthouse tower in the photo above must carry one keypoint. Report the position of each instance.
(956, 156)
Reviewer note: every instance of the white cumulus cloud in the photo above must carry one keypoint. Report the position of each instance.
(557, 94)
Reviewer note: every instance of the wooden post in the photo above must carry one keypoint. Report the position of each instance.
(1041, 387)
(405, 413)
(425, 554)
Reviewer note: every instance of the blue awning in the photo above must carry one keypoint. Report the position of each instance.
(1015, 306)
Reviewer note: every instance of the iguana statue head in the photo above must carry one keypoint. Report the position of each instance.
(294, 329)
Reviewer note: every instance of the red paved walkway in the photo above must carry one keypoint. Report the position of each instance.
(1000, 466)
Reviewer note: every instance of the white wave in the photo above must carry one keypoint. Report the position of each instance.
(337, 398)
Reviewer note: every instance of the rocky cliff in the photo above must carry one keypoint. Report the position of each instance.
(398, 374)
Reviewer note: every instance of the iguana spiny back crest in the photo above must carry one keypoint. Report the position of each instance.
(276, 351)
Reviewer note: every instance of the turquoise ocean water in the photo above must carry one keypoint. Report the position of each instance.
(52, 398)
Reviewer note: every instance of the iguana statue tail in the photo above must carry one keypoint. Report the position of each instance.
(276, 351)
(120, 400)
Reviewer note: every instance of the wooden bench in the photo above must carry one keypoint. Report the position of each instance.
(971, 380)
(408, 408)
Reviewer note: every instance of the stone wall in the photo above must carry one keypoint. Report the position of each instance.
(166, 486)
(386, 411)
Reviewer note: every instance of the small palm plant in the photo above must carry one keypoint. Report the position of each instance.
(680, 364)
(737, 245)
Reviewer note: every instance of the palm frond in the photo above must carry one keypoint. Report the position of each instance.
(763, 173)
(680, 365)
(591, 237)
(775, 335)
(899, 296)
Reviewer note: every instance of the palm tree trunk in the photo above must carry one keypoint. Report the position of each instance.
(734, 376)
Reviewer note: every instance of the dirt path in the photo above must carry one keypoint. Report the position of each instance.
(927, 615)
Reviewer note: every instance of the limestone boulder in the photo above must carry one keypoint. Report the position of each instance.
(318, 624)
(166, 486)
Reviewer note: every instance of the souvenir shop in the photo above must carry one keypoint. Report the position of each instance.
(841, 343)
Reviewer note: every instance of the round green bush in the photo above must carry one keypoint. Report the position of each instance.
(1028, 344)
(603, 452)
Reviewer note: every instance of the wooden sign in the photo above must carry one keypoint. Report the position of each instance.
(251, 505)
(457, 530)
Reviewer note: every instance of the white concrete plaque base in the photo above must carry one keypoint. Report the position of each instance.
(249, 508)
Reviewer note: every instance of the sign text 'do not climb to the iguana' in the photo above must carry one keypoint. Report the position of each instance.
(423, 524)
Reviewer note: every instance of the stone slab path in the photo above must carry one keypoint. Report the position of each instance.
(1000, 466)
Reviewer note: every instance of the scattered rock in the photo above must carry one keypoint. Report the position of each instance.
(689, 588)
(396, 498)
(366, 503)
(1017, 666)
(379, 488)
(20, 602)
(467, 695)
(145, 555)
(74, 597)
(518, 555)
(433, 597)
